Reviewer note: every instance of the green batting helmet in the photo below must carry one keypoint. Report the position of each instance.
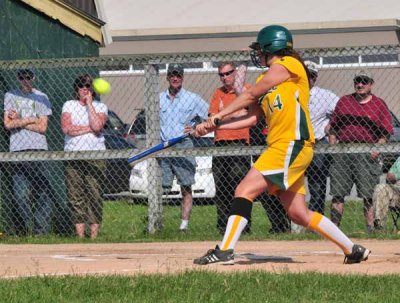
(273, 38)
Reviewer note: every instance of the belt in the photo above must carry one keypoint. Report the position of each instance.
(231, 142)
(28, 150)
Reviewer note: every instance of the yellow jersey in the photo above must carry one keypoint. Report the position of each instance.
(285, 106)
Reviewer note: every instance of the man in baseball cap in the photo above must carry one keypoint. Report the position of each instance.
(175, 69)
(178, 107)
(363, 77)
(359, 117)
(25, 74)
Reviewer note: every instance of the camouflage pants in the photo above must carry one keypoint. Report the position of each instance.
(384, 196)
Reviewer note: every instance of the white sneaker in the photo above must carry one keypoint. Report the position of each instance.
(296, 229)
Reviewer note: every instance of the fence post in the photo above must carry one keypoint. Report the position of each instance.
(152, 108)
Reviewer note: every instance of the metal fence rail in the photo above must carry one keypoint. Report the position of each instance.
(134, 124)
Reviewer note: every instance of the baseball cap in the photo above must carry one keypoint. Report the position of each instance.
(363, 77)
(312, 67)
(175, 68)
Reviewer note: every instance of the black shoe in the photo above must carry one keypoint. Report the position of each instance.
(216, 255)
(358, 254)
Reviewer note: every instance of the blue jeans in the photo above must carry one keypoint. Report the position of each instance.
(317, 175)
(32, 197)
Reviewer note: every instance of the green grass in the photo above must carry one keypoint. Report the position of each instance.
(204, 286)
(124, 222)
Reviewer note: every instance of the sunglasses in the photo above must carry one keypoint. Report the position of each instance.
(81, 85)
(226, 74)
(362, 80)
(175, 74)
(24, 78)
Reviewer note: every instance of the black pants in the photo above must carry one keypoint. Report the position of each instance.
(228, 171)
(273, 207)
(317, 175)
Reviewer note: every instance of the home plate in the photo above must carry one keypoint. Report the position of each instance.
(251, 256)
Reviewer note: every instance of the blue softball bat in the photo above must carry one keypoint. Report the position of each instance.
(155, 149)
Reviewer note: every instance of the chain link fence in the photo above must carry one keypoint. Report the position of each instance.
(37, 196)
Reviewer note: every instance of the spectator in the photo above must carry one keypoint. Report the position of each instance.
(26, 112)
(82, 121)
(358, 118)
(177, 108)
(386, 195)
(228, 171)
(322, 104)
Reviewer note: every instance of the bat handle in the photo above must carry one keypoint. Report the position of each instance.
(217, 122)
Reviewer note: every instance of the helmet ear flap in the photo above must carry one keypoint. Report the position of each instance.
(255, 53)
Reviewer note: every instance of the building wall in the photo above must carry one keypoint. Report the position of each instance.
(142, 27)
(29, 34)
(194, 44)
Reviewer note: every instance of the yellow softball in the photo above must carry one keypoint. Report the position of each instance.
(101, 86)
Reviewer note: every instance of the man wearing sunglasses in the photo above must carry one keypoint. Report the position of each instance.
(360, 117)
(26, 112)
(228, 171)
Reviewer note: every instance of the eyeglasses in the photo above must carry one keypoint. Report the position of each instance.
(226, 74)
(175, 74)
(81, 85)
(362, 80)
(313, 75)
(24, 78)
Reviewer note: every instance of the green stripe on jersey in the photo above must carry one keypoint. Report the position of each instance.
(297, 147)
(277, 179)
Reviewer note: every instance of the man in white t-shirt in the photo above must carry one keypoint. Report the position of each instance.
(322, 104)
(26, 112)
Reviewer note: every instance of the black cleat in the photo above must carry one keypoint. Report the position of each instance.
(226, 257)
(358, 254)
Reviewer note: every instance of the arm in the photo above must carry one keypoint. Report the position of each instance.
(332, 139)
(39, 126)
(386, 124)
(391, 178)
(214, 104)
(96, 120)
(331, 127)
(394, 172)
(73, 130)
(35, 124)
(12, 120)
(327, 129)
(248, 120)
(276, 75)
(386, 128)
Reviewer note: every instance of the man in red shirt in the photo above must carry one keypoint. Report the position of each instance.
(358, 118)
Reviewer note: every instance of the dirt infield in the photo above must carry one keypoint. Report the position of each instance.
(140, 258)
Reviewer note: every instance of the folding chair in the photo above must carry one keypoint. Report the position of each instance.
(395, 213)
